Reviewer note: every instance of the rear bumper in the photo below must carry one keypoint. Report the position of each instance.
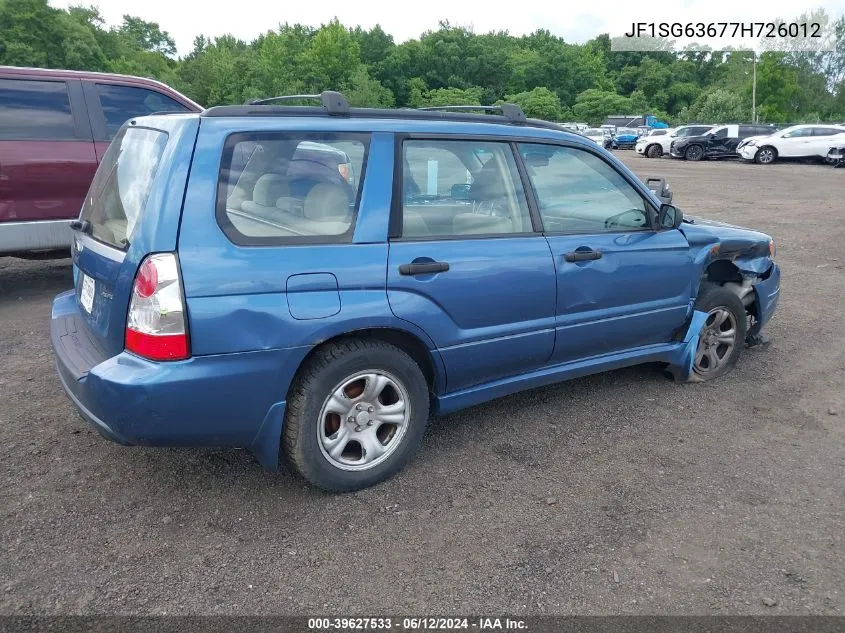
(221, 400)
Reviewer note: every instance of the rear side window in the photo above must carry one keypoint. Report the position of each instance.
(35, 110)
(121, 103)
(826, 131)
(118, 195)
(289, 188)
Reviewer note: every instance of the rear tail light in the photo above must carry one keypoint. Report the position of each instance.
(155, 325)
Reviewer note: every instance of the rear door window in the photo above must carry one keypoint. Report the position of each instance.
(118, 195)
(453, 188)
(35, 110)
(827, 131)
(121, 103)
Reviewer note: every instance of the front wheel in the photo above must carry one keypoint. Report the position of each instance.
(694, 152)
(765, 156)
(721, 338)
(356, 415)
(654, 151)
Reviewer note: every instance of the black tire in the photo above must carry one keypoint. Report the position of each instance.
(694, 152)
(327, 368)
(654, 151)
(766, 155)
(710, 299)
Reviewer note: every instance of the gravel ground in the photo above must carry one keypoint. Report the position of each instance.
(617, 493)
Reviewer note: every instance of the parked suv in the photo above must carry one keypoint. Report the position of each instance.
(228, 302)
(719, 142)
(796, 141)
(55, 126)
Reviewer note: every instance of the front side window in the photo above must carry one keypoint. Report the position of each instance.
(290, 187)
(577, 192)
(35, 110)
(722, 132)
(118, 195)
(121, 103)
(801, 132)
(457, 188)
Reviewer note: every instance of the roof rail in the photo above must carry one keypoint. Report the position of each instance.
(333, 102)
(510, 111)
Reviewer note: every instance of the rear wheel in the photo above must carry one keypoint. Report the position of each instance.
(654, 151)
(766, 156)
(721, 338)
(356, 415)
(694, 152)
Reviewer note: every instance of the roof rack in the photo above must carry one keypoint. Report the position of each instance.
(510, 111)
(333, 102)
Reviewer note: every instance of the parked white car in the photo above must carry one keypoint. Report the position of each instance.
(598, 136)
(797, 141)
(658, 141)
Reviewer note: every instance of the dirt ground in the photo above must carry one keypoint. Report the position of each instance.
(618, 493)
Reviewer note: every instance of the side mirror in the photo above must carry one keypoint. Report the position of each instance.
(669, 216)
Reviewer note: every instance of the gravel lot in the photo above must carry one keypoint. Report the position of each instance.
(618, 493)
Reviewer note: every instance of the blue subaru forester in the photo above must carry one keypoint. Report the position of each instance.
(313, 282)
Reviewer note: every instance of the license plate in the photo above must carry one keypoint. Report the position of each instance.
(86, 295)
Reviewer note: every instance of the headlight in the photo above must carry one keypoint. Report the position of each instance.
(754, 143)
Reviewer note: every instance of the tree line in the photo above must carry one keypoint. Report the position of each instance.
(550, 78)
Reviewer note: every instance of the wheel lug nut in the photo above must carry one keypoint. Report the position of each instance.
(359, 406)
(370, 423)
(359, 428)
(351, 418)
(370, 409)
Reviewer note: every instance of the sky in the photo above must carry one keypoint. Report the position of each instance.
(575, 21)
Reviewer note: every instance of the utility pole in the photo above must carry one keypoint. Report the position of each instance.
(754, 88)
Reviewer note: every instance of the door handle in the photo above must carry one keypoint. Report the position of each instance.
(582, 256)
(423, 268)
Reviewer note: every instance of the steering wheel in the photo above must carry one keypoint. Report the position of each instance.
(636, 218)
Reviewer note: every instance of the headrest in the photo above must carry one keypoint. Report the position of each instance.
(488, 183)
(326, 200)
(269, 188)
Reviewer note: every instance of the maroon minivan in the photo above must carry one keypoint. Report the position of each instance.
(55, 126)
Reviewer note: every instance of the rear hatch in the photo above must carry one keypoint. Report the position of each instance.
(132, 209)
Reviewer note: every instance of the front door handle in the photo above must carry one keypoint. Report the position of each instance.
(582, 256)
(423, 268)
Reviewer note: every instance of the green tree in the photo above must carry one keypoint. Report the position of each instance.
(364, 91)
(540, 103)
(717, 106)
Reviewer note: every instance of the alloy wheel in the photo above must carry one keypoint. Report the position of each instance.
(716, 341)
(363, 420)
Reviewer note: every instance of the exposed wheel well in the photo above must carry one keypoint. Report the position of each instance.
(405, 341)
(722, 271)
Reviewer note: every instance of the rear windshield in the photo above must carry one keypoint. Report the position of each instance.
(120, 189)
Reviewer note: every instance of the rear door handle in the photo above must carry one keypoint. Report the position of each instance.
(582, 256)
(423, 268)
